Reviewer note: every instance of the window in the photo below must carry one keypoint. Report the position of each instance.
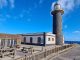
(31, 39)
(52, 39)
(39, 40)
(48, 39)
(24, 39)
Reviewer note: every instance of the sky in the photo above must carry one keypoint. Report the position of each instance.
(28, 16)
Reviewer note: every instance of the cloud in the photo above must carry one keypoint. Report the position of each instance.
(77, 31)
(3, 3)
(23, 12)
(6, 3)
(52, 7)
(67, 5)
(4, 18)
(72, 39)
(11, 3)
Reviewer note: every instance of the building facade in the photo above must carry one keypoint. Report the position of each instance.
(9, 40)
(41, 39)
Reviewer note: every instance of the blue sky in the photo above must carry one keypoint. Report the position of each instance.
(27, 16)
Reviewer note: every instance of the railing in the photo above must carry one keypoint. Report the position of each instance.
(44, 54)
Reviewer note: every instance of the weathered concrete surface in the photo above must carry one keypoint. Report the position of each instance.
(19, 54)
(72, 54)
(37, 55)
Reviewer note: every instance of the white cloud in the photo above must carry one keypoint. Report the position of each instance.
(4, 18)
(67, 5)
(11, 3)
(23, 12)
(6, 3)
(3, 3)
(27, 12)
(52, 7)
(76, 31)
(72, 38)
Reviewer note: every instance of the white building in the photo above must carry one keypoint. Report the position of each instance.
(41, 39)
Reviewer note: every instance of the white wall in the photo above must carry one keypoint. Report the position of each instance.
(50, 35)
(51, 41)
(35, 38)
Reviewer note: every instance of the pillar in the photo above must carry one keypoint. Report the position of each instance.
(6, 43)
(2, 43)
(12, 42)
(15, 42)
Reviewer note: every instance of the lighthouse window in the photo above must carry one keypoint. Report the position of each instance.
(48, 39)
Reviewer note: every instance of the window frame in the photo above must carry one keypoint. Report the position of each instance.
(48, 39)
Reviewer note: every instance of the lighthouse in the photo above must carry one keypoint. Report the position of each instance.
(57, 23)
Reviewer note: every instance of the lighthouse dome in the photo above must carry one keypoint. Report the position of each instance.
(57, 6)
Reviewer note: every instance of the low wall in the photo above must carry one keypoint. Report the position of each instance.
(44, 54)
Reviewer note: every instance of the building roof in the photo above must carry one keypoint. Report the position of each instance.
(9, 36)
(38, 33)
